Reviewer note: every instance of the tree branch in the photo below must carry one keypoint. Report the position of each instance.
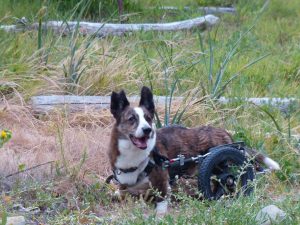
(104, 29)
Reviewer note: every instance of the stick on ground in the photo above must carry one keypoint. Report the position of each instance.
(104, 29)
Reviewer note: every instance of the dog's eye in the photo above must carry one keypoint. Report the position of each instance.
(148, 119)
(131, 119)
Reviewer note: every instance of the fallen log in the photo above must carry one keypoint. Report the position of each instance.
(104, 29)
(205, 10)
(282, 103)
(72, 103)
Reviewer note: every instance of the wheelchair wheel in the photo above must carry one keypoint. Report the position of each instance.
(225, 172)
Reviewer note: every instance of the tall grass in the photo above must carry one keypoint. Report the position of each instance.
(74, 71)
(215, 85)
(217, 89)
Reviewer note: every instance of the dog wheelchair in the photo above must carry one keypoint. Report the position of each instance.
(225, 170)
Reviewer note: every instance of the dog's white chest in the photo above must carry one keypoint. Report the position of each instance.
(129, 157)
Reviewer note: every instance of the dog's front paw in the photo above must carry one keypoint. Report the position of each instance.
(161, 208)
(119, 196)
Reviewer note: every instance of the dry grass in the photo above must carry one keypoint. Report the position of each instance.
(37, 141)
(107, 65)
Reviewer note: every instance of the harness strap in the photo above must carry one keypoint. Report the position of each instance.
(149, 167)
(128, 170)
(158, 160)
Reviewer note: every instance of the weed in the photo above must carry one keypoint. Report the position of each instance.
(3, 216)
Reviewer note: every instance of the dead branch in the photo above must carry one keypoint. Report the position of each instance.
(282, 103)
(104, 29)
(31, 168)
(72, 103)
(205, 10)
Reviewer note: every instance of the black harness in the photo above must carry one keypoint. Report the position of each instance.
(156, 161)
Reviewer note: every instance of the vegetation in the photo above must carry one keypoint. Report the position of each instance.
(5, 136)
(253, 53)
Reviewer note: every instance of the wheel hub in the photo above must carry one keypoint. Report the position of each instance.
(227, 179)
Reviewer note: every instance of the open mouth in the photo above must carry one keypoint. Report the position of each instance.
(139, 142)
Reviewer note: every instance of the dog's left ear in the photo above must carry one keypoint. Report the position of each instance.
(147, 100)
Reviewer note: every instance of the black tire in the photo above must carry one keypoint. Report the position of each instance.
(222, 165)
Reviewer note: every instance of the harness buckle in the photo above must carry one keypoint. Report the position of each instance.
(181, 160)
(118, 171)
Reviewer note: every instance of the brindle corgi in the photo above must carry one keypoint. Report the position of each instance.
(134, 141)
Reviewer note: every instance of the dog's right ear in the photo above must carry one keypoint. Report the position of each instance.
(118, 103)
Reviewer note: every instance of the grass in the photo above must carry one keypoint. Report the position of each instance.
(276, 80)
(260, 50)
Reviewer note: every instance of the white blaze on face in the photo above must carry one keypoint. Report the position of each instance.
(142, 122)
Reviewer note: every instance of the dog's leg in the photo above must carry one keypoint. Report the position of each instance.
(120, 194)
(161, 208)
(160, 183)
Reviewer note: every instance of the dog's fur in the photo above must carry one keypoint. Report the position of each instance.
(134, 137)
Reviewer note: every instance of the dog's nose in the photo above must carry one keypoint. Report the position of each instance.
(147, 130)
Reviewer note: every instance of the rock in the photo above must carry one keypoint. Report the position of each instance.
(4, 187)
(7, 87)
(18, 207)
(33, 210)
(15, 220)
(21, 208)
(269, 215)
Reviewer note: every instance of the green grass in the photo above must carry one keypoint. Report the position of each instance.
(172, 63)
(85, 204)
(273, 34)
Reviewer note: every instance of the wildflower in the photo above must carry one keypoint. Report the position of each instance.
(3, 134)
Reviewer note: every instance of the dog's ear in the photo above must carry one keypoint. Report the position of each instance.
(118, 103)
(147, 100)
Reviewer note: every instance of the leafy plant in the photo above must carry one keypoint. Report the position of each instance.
(216, 86)
(74, 70)
(171, 78)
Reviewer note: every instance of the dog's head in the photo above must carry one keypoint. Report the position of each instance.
(135, 123)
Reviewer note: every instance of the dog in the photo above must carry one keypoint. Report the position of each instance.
(135, 144)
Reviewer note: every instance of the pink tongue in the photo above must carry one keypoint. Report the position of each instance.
(140, 142)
